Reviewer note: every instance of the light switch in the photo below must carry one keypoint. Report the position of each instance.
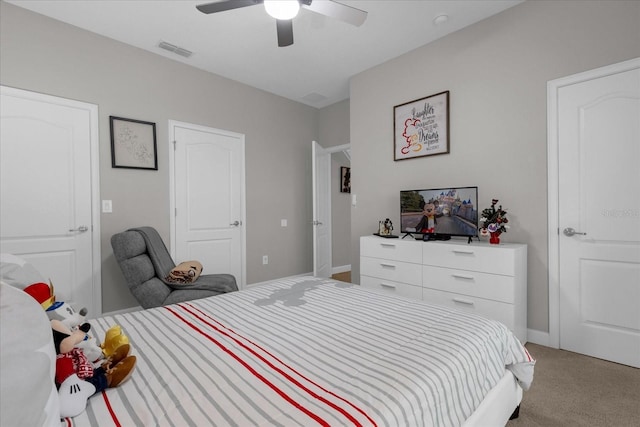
(107, 206)
(354, 200)
(283, 222)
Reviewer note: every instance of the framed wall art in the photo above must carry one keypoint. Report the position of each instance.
(133, 144)
(421, 127)
(345, 179)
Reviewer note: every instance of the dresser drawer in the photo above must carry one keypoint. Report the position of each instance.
(499, 311)
(393, 249)
(392, 287)
(397, 271)
(488, 286)
(476, 257)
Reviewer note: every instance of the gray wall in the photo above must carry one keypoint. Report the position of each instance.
(44, 55)
(497, 72)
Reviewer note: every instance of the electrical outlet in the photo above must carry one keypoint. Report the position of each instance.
(265, 259)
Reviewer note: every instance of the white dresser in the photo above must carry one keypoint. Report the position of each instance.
(490, 280)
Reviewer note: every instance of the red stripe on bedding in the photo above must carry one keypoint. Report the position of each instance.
(362, 412)
(528, 355)
(110, 409)
(250, 369)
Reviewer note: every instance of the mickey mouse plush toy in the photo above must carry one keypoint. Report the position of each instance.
(76, 377)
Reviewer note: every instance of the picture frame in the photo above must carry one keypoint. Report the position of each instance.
(133, 144)
(345, 179)
(421, 127)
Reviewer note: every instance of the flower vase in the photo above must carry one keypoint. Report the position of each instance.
(495, 238)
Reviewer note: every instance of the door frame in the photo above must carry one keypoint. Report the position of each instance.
(329, 151)
(553, 176)
(94, 150)
(172, 196)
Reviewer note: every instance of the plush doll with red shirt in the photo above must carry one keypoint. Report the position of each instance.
(76, 376)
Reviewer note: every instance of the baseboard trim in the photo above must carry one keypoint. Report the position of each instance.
(538, 337)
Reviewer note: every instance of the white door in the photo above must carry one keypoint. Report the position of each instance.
(49, 182)
(208, 199)
(321, 169)
(598, 142)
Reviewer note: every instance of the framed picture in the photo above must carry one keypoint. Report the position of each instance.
(421, 127)
(133, 144)
(345, 179)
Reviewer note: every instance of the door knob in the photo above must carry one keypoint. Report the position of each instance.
(80, 229)
(570, 232)
(235, 223)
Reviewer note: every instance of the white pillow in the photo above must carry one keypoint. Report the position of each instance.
(28, 395)
(17, 272)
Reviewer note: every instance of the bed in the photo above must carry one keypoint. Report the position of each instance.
(309, 351)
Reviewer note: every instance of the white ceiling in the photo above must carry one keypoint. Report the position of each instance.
(241, 44)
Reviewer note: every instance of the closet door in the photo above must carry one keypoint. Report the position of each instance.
(208, 198)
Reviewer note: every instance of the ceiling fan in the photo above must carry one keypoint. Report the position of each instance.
(285, 10)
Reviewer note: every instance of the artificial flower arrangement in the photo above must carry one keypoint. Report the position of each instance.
(494, 222)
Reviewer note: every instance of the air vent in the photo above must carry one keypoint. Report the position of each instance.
(175, 49)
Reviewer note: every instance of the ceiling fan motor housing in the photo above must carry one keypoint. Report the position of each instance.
(284, 27)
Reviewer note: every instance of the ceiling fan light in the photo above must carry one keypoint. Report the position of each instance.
(282, 9)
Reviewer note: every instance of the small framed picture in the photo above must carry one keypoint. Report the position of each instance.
(133, 144)
(345, 179)
(421, 127)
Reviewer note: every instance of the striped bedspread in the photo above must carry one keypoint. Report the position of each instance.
(305, 351)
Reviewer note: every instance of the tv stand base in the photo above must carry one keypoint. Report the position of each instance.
(434, 236)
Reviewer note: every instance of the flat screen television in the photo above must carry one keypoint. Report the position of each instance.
(439, 213)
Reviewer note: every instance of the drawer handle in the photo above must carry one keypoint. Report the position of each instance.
(458, 251)
(387, 245)
(463, 301)
(387, 285)
(462, 276)
(387, 265)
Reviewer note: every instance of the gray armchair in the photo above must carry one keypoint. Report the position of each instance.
(145, 262)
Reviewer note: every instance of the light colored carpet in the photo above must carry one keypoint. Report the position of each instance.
(571, 389)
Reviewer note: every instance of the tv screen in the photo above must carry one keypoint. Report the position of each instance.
(440, 211)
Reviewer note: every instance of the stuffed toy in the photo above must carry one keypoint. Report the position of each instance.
(113, 339)
(72, 319)
(67, 314)
(82, 369)
(76, 378)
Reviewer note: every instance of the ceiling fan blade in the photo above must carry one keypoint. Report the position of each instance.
(337, 10)
(285, 32)
(221, 6)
